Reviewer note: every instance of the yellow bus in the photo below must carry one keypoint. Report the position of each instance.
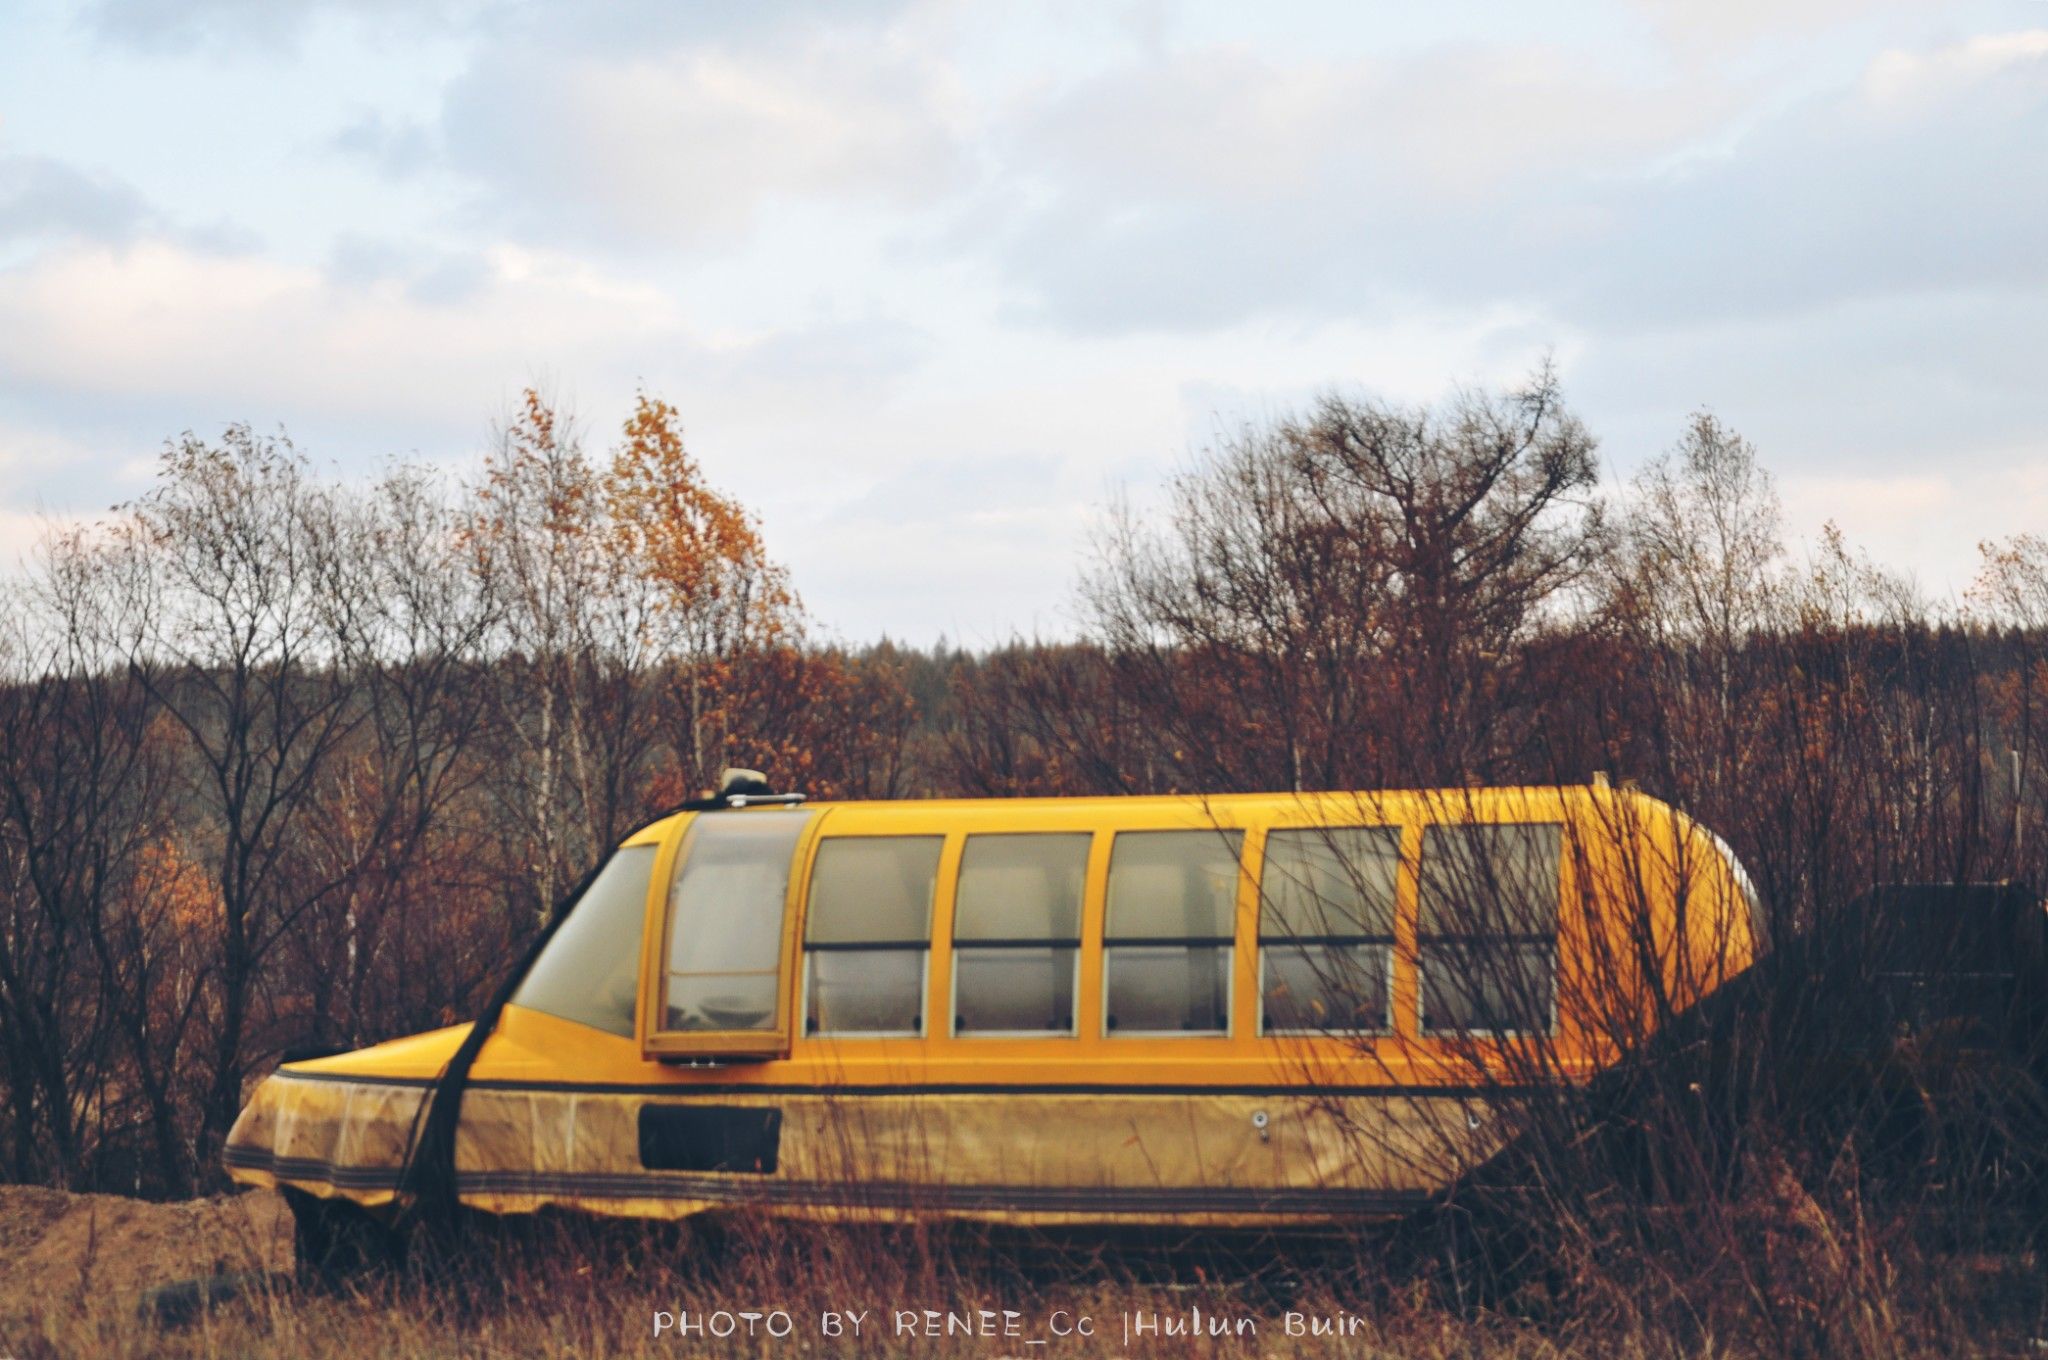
(1247, 1011)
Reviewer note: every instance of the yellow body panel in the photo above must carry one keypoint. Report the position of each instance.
(1238, 1129)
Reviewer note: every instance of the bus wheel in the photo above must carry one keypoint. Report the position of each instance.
(335, 1239)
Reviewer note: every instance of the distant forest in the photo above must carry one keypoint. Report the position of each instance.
(289, 760)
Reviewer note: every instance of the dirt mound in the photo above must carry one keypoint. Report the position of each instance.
(59, 1249)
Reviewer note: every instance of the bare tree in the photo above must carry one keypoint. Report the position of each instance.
(2011, 596)
(1047, 719)
(233, 642)
(411, 623)
(83, 785)
(577, 630)
(1340, 600)
(1697, 576)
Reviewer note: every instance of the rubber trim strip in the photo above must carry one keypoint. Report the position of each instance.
(889, 1194)
(931, 1088)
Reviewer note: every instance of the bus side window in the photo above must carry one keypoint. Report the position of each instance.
(1167, 939)
(1326, 930)
(590, 971)
(1487, 932)
(1017, 933)
(868, 933)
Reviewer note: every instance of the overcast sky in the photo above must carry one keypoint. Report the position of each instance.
(929, 280)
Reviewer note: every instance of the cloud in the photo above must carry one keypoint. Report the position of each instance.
(398, 147)
(636, 26)
(1890, 385)
(1927, 175)
(652, 125)
(1729, 26)
(161, 26)
(1459, 122)
(410, 346)
(1220, 185)
(689, 145)
(161, 321)
(45, 199)
(1222, 188)
(1901, 74)
(833, 354)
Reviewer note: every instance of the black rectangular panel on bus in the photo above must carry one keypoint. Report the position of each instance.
(738, 1138)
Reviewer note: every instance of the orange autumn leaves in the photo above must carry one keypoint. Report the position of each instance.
(702, 549)
(692, 601)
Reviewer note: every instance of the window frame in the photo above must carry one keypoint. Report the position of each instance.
(1303, 942)
(1073, 1029)
(659, 1044)
(1387, 941)
(1107, 943)
(1554, 941)
(1429, 1031)
(1077, 943)
(805, 948)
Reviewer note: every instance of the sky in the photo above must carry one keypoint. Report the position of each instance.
(931, 282)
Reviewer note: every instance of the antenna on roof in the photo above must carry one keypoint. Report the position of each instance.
(738, 788)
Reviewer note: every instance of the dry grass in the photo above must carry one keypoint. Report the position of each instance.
(562, 1289)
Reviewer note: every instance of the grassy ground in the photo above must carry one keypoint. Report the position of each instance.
(74, 1271)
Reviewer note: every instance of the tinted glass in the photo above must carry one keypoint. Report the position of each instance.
(590, 970)
(1013, 991)
(1173, 884)
(1490, 880)
(1488, 987)
(1171, 989)
(1330, 881)
(726, 910)
(1326, 988)
(1021, 888)
(873, 889)
(865, 991)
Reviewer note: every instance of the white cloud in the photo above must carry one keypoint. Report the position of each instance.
(684, 145)
(129, 345)
(1716, 29)
(180, 25)
(1903, 74)
(159, 321)
(1229, 125)
(1220, 187)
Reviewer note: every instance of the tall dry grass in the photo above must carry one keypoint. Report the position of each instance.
(1834, 1286)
